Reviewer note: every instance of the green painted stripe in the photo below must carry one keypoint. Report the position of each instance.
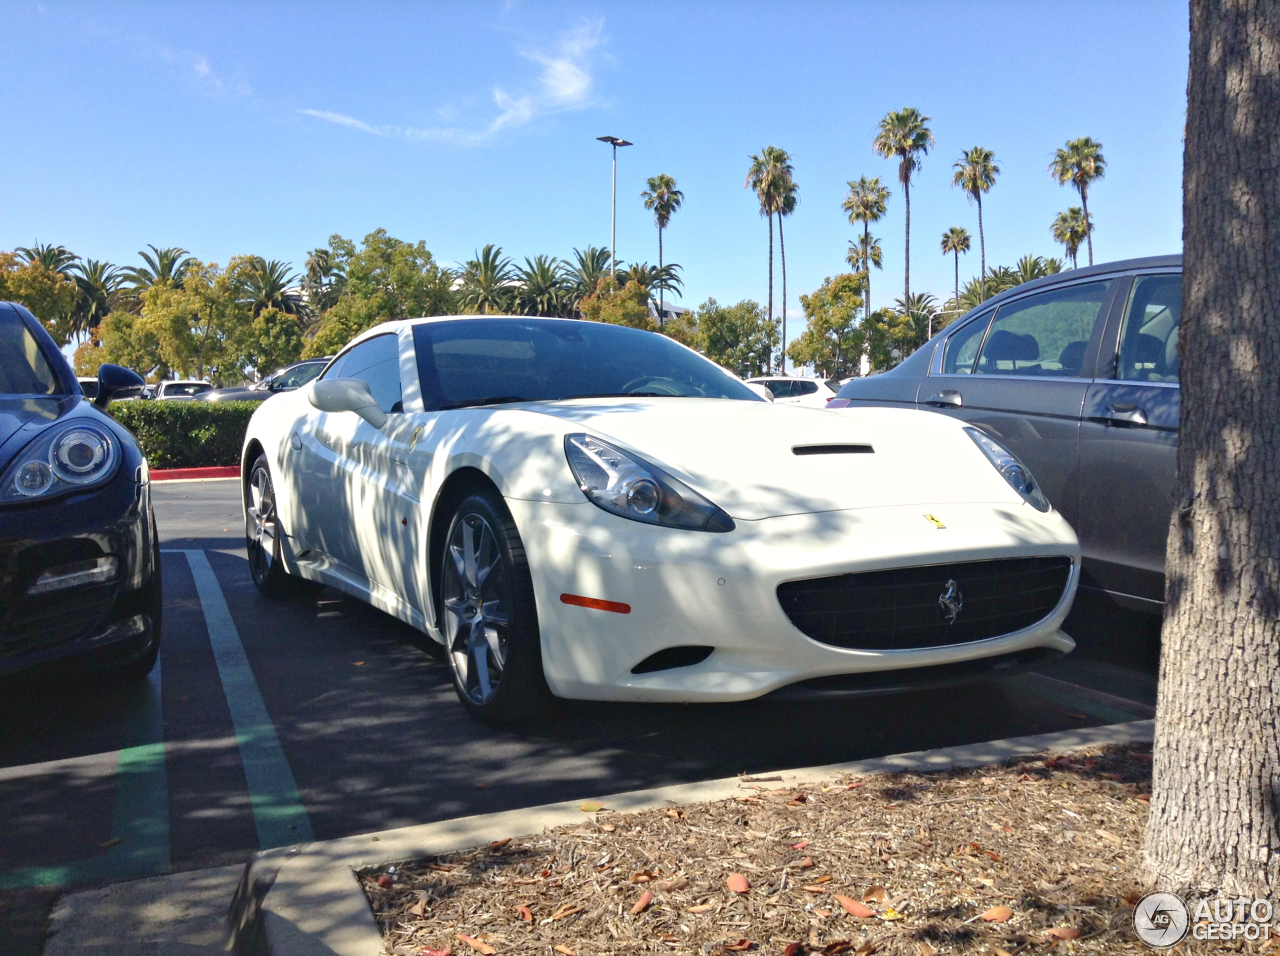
(1081, 704)
(278, 813)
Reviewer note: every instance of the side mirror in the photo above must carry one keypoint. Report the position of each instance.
(760, 390)
(347, 395)
(113, 379)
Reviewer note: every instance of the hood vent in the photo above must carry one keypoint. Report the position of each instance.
(832, 450)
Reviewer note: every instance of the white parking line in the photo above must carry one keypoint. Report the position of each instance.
(278, 813)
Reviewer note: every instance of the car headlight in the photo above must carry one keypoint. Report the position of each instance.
(628, 486)
(64, 458)
(1011, 469)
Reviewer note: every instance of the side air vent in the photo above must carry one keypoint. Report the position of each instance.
(832, 450)
(685, 655)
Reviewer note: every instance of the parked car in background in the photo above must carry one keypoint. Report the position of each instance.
(1077, 374)
(285, 380)
(592, 511)
(88, 387)
(181, 391)
(794, 390)
(79, 554)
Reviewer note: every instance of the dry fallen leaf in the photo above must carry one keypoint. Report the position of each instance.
(701, 907)
(738, 947)
(867, 948)
(525, 913)
(566, 909)
(823, 913)
(499, 844)
(1063, 932)
(854, 908)
(926, 949)
(800, 846)
(428, 951)
(806, 863)
(675, 883)
(794, 949)
(1000, 952)
(607, 827)
(563, 950)
(825, 878)
(590, 806)
(738, 883)
(997, 914)
(642, 904)
(386, 880)
(875, 894)
(484, 949)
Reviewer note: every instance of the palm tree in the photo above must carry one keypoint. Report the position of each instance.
(863, 253)
(787, 202)
(662, 199)
(865, 203)
(1071, 228)
(487, 281)
(160, 265)
(763, 179)
(903, 133)
(956, 240)
(324, 281)
(976, 173)
(590, 265)
(921, 309)
(58, 259)
(270, 285)
(1035, 267)
(1080, 163)
(543, 289)
(660, 278)
(99, 284)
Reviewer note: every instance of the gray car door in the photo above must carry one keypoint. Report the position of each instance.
(1021, 374)
(1129, 444)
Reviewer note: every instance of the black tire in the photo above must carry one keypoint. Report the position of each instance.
(141, 666)
(262, 534)
(489, 616)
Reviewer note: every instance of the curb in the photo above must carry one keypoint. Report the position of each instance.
(305, 900)
(189, 474)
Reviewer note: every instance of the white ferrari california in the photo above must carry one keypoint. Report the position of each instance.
(580, 510)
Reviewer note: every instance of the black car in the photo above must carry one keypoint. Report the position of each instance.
(1077, 374)
(79, 554)
(285, 380)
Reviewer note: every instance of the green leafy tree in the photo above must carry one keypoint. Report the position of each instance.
(542, 287)
(833, 340)
(865, 203)
(276, 340)
(741, 338)
(127, 341)
(48, 293)
(976, 173)
(903, 133)
(619, 305)
(955, 241)
(1071, 229)
(1081, 164)
(662, 199)
(386, 279)
(488, 282)
(589, 266)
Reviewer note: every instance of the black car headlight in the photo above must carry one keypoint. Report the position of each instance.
(68, 457)
(626, 485)
(1011, 469)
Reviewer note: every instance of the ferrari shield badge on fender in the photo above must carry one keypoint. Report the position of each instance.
(934, 521)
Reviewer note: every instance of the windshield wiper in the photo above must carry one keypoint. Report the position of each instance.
(491, 400)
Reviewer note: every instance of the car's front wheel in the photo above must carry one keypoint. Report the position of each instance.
(263, 536)
(489, 615)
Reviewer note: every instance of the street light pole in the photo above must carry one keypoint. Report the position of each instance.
(613, 221)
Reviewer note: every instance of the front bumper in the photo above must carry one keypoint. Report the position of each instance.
(104, 624)
(720, 590)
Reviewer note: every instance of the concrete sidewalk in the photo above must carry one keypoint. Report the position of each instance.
(305, 900)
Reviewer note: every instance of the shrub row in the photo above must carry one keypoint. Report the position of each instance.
(186, 434)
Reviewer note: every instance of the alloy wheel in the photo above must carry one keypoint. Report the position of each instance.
(476, 624)
(262, 524)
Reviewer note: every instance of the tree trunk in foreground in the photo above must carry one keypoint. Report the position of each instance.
(1215, 800)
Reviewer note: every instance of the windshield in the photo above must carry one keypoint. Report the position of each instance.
(489, 361)
(23, 368)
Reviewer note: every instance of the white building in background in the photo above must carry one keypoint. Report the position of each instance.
(668, 311)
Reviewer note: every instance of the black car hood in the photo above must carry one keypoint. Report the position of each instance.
(15, 413)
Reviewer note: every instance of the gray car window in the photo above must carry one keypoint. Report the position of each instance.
(298, 376)
(962, 347)
(23, 368)
(376, 362)
(780, 389)
(1043, 335)
(1149, 339)
(805, 388)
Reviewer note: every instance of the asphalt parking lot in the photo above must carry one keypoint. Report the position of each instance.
(267, 723)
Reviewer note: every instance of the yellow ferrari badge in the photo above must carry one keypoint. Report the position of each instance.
(934, 521)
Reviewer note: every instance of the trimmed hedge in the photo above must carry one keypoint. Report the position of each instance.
(186, 434)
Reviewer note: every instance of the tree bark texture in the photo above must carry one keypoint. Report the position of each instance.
(906, 258)
(982, 250)
(866, 246)
(782, 249)
(1214, 824)
(769, 361)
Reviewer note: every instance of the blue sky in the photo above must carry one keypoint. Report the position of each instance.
(231, 128)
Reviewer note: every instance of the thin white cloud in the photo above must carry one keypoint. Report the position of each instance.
(210, 81)
(564, 83)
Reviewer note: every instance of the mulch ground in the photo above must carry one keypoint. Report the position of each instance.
(1031, 857)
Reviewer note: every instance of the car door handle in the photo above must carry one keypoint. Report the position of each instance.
(1124, 413)
(947, 398)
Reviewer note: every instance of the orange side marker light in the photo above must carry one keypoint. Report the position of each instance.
(596, 604)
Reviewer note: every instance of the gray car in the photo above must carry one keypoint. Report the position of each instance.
(285, 380)
(1077, 374)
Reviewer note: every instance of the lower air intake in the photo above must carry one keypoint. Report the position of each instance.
(685, 655)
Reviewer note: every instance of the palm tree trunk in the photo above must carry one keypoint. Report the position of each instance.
(866, 265)
(1084, 201)
(957, 252)
(982, 248)
(661, 320)
(768, 362)
(782, 248)
(906, 272)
